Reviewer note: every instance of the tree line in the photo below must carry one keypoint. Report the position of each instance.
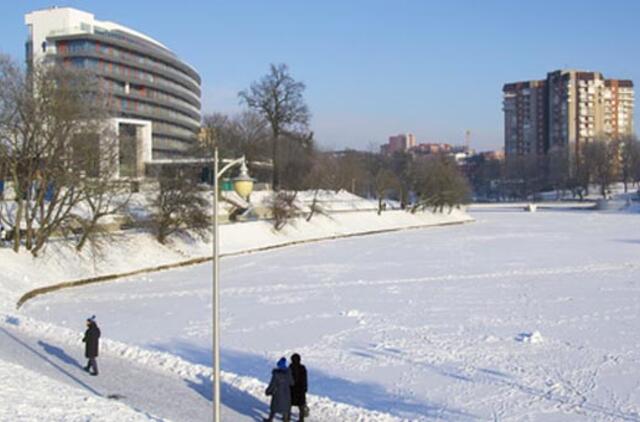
(60, 155)
(275, 127)
(599, 163)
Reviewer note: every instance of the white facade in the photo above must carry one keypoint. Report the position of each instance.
(66, 21)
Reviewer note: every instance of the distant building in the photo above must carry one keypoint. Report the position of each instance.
(492, 155)
(431, 148)
(461, 153)
(564, 111)
(397, 143)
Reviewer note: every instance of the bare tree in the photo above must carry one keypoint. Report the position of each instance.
(600, 159)
(385, 181)
(253, 134)
(102, 198)
(52, 127)
(558, 175)
(296, 159)
(352, 172)
(524, 174)
(400, 164)
(245, 134)
(322, 176)
(629, 159)
(218, 132)
(439, 184)
(635, 173)
(282, 205)
(485, 176)
(581, 174)
(278, 98)
(179, 206)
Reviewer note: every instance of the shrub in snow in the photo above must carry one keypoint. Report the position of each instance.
(179, 207)
(283, 207)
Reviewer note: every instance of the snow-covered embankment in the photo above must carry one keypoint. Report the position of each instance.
(135, 251)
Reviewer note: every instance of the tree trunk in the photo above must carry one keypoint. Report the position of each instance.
(29, 228)
(85, 235)
(276, 169)
(314, 204)
(41, 240)
(16, 227)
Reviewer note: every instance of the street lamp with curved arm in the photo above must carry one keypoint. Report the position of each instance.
(243, 185)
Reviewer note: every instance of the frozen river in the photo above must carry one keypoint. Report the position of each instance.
(519, 315)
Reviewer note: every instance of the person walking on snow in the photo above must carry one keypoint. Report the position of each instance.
(280, 391)
(299, 389)
(91, 340)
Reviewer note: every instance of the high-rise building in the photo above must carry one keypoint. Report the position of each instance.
(156, 95)
(566, 110)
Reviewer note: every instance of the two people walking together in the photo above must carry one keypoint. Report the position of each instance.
(288, 387)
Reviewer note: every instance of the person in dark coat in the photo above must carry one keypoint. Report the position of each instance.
(280, 391)
(91, 340)
(299, 389)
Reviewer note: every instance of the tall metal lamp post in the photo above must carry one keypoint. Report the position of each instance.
(243, 185)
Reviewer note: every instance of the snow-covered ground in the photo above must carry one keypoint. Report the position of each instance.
(141, 383)
(26, 396)
(520, 316)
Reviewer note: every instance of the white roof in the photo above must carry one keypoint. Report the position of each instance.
(68, 20)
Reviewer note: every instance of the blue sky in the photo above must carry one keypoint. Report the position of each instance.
(375, 68)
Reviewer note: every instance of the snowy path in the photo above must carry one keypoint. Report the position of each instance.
(27, 396)
(136, 386)
(430, 324)
(151, 393)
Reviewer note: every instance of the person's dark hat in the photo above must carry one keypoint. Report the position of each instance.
(282, 363)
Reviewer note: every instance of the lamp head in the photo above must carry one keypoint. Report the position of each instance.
(243, 184)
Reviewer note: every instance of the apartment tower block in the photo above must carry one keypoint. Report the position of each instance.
(564, 111)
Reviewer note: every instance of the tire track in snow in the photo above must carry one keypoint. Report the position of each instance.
(66, 297)
(418, 280)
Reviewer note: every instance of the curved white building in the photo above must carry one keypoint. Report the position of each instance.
(152, 88)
